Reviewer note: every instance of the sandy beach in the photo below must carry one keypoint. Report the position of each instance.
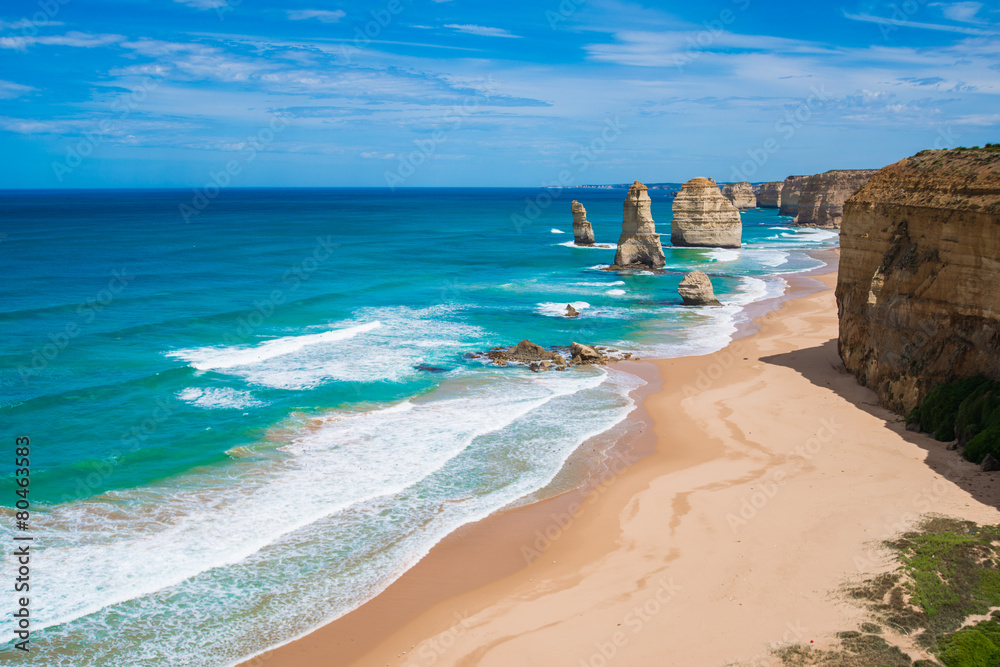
(766, 480)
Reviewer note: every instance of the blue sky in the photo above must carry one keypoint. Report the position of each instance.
(119, 93)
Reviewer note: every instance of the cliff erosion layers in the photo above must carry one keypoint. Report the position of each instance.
(583, 233)
(639, 244)
(917, 293)
(704, 218)
(769, 195)
(791, 189)
(740, 194)
(821, 202)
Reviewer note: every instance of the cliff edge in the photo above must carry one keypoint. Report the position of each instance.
(918, 293)
(821, 203)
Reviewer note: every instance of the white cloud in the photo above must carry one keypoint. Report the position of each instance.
(321, 15)
(72, 38)
(482, 31)
(898, 23)
(963, 12)
(203, 4)
(10, 90)
(27, 23)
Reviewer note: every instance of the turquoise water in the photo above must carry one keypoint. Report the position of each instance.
(248, 424)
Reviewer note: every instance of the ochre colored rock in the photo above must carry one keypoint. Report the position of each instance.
(918, 291)
(821, 203)
(769, 195)
(740, 194)
(639, 244)
(583, 233)
(791, 189)
(696, 290)
(704, 218)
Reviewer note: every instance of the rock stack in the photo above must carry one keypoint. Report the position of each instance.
(791, 190)
(583, 233)
(696, 290)
(769, 195)
(823, 195)
(740, 194)
(639, 245)
(704, 218)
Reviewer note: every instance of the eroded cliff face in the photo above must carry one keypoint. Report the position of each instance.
(769, 195)
(821, 203)
(791, 190)
(639, 244)
(583, 233)
(704, 218)
(918, 293)
(740, 194)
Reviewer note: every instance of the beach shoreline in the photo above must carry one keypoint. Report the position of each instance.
(507, 541)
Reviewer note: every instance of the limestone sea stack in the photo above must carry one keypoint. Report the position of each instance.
(791, 189)
(769, 195)
(704, 218)
(696, 290)
(917, 292)
(740, 194)
(583, 233)
(821, 203)
(639, 245)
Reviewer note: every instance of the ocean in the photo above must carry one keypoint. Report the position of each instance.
(250, 414)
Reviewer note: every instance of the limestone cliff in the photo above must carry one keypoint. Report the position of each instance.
(639, 245)
(769, 195)
(918, 294)
(791, 189)
(740, 194)
(583, 233)
(821, 203)
(704, 218)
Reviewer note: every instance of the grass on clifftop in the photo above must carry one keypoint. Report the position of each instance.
(967, 410)
(947, 573)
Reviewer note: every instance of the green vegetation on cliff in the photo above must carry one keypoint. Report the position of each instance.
(967, 410)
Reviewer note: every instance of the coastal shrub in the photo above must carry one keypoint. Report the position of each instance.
(983, 443)
(960, 409)
(975, 646)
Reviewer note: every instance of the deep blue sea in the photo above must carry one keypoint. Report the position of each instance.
(235, 434)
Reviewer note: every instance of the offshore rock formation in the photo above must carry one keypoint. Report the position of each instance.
(769, 195)
(583, 233)
(639, 245)
(740, 194)
(791, 189)
(696, 290)
(704, 218)
(821, 203)
(917, 289)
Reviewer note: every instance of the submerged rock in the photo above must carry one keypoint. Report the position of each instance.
(583, 233)
(639, 244)
(696, 290)
(704, 218)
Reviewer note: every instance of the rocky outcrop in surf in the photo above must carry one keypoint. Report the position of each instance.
(639, 244)
(791, 190)
(539, 359)
(583, 233)
(769, 195)
(740, 194)
(821, 203)
(704, 218)
(917, 290)
(696, 290)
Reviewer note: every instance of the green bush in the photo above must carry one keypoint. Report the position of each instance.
(961, 410)
(974, 646)
(983, 443)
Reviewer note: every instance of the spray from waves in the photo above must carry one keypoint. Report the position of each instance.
(550, 309)
(557, 231)
(380, 344)
(615, 292)
(724, 255)
(611, 284)
(596, 246)
(219, 397)
(212, 358)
